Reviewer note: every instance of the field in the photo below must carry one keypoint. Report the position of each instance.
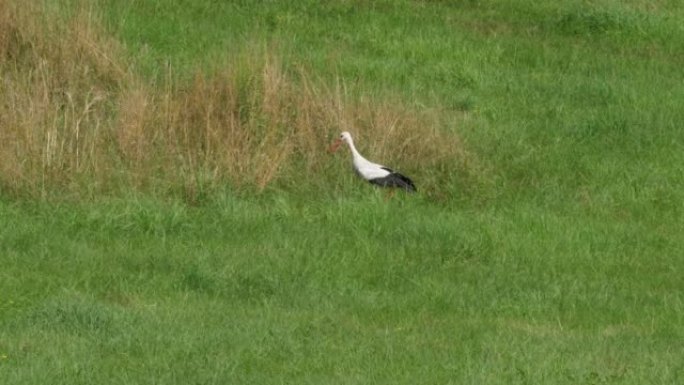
(168, 213)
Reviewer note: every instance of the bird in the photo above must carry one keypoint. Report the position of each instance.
(374, 173)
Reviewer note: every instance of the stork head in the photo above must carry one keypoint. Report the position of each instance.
(344, 137)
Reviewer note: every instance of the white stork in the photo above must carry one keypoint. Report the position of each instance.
(374, 173)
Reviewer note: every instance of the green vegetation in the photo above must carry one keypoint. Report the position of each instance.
(169, 214)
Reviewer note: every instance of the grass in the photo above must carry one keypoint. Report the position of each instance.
(83, 122)
(172, 219)
(349, 291)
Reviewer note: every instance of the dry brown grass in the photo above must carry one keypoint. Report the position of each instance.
(73, 117)
(56, 81)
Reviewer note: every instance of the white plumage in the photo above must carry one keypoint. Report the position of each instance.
(373, 172)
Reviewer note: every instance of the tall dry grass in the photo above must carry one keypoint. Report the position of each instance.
(74, 117)
(58, 83)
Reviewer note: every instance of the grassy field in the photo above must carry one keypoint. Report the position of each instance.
(168, 213)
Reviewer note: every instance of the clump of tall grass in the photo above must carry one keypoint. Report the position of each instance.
(75, 117)
(58, 81)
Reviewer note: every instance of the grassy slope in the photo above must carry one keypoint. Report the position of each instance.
(348, 291)
(559, 100)
(567, 270)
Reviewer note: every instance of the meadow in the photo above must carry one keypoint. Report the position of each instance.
(168, 213)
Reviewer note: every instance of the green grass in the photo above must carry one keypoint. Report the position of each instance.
(349, 291)
(562, 93)
(560, 264)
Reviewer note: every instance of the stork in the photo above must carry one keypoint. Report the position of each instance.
(374, 173)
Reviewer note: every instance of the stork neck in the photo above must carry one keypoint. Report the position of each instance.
(355, 152)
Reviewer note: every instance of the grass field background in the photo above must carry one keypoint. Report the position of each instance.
(169, 214)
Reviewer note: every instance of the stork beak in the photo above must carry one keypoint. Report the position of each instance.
(333, 147)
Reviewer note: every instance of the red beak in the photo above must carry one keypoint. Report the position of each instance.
(333, 147)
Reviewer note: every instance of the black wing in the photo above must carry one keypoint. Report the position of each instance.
(406, 182)
(395, 180)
